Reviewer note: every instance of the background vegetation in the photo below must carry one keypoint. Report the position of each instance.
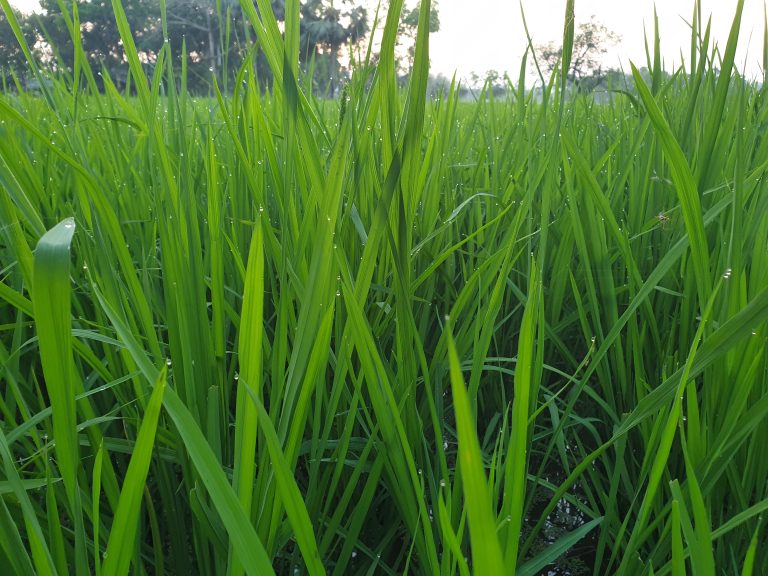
(213, 36)
(266, 333)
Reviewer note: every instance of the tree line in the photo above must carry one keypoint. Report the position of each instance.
(213, 36)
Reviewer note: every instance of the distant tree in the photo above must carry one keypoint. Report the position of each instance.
(492, 81)
(610, 79)
(98, 32)
(195, 25)
(438, 85)
(211, 32)
(327, 27)
(214, 35)
(12, 59)
(409, 25)
(590, 43)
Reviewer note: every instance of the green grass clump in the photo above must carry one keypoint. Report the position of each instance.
(263, 333)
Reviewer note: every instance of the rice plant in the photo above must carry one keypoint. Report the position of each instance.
(266, 333)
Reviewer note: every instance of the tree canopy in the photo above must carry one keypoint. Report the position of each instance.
(212, 35)
(326, 27)
(12, 59)
(409, 24)
(591, 42)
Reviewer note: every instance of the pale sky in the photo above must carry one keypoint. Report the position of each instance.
(488, 34)
(479, 35)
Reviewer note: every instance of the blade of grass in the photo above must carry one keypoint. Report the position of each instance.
(249, 358)
(714, 117)
(51, 300)
(289, 492)
(749, 561)
(246, 543)
(702, 556)
(686, 188)
(557, 549)
(665, 443)
(678, 558)
(486, 550)
(122, 535)
(12, 545)
(41, 555)
(516, 464)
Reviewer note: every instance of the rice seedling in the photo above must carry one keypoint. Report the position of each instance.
(263, 332)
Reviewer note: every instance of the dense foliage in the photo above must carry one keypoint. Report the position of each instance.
(266, 333)
(213, 36)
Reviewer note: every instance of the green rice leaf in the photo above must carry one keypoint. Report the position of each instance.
(486, 551)
(41, 555)
(686, 188)
(289, 493)
(246, 544)
(51, 299)
(749, 561)
(122, 535)
(557, 549)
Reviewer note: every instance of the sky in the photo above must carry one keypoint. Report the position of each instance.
(478, 35)
(481, 35)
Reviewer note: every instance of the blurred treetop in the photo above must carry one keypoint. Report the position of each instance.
(212, 35)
